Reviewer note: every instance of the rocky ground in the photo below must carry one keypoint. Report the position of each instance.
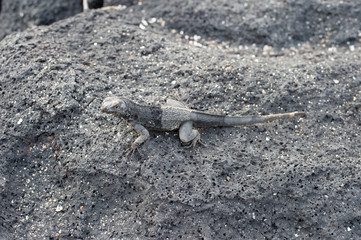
(63, 170)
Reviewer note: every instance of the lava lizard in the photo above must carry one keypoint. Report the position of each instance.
(175, 115)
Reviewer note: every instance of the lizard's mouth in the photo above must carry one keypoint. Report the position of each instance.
(103, 108)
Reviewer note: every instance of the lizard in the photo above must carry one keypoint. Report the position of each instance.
(175, 115)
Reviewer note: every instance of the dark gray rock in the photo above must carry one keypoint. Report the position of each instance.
(63, 173)
(276, 23)
(17, 15)
(95, 3)
(120, 2)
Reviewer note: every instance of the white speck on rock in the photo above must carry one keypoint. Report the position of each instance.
(141, 26)
(144, 22)
(58, 208)
(152, 20)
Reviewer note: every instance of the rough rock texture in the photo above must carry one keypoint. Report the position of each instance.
(276, 22)
(63, 173)
(119, 2)
(17, 15)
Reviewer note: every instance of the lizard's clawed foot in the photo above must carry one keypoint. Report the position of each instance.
(130, 151)
(194, 142)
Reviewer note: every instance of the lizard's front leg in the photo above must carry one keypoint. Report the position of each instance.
(143, 136)
(188, 135)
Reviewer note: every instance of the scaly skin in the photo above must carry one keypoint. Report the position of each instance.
(175, 116)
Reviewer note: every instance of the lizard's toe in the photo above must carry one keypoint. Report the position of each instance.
(131, 150)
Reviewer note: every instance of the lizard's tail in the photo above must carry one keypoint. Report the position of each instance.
(246, 120)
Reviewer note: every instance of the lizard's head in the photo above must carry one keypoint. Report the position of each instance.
(115, 105)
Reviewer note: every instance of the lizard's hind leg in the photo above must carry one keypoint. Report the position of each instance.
(189, 136)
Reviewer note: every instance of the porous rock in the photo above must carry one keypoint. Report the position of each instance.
(63, 170)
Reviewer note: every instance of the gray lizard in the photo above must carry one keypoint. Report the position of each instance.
(175, 115)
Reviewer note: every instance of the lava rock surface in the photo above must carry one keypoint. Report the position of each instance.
(63, 169)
